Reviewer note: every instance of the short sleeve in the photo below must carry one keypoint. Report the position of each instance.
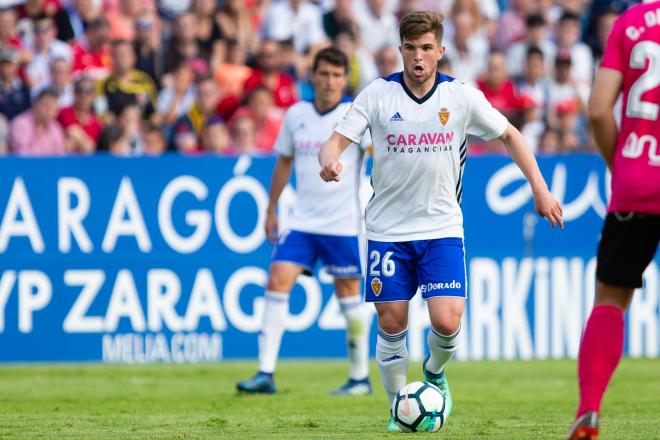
(484, 121)
(356, 120)
(613, 58)
(284, 142)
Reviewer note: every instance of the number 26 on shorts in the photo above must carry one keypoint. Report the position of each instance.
(387, 266)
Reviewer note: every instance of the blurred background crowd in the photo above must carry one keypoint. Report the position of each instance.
(144, 77)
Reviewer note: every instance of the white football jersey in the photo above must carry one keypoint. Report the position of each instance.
(320, 207)
(420, 149)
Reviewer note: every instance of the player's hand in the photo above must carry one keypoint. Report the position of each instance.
(271, 225)
(547, 206)
(331, 171)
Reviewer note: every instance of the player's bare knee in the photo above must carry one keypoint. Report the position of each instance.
(446, 324)
(278, 282)
(392, 323)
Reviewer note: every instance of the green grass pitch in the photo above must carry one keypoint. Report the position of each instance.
(492, 400)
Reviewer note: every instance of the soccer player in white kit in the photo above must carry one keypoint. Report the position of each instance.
(419, 121)
(324, 224)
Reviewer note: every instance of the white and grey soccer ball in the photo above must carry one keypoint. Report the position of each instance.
(419, 407)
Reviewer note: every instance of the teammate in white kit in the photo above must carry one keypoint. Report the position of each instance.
(324, 224)
(419, 121)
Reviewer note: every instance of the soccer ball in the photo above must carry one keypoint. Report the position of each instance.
(419, 406)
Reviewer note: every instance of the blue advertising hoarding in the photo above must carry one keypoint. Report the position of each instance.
(165, 260)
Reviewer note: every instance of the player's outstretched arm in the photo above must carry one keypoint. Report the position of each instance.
(329, 157)
(281, 176)
(601, 117)
(544, 202)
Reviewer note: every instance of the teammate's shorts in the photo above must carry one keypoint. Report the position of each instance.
(395, 270)
(627, 246)
(341, 255)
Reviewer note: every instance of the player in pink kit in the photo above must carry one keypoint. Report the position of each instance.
(631, 233)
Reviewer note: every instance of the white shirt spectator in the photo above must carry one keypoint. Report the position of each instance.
(303, 24)
(166, 97)
(468, 66)
(376, 31)
(39, 70)
(582, 69)
(517, 52)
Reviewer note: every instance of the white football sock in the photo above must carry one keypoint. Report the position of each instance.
(276, 313)
(357, 336)
(392, 358)
(441, 347)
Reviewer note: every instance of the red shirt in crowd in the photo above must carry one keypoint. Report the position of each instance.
(91, 126)
(95, 64)
(284, 91)
(504, 98)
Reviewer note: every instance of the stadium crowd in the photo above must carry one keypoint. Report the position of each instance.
(143, 77)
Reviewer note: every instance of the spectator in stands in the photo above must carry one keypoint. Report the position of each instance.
(469, 48)
(388, 61)
(9, 35)
(46, 48)
(511, 26)
(176, 100)
(155, 143)
(33, 9)
(536, 35)
(122, 21)
(534, 82)
(14, 94)
(80, 14)
(188, 130)
(362, 69)
(127, 85)
(91, 55)
(113, 140)
(184, 45)
(148, 47)
(231, 75)
(269, 74)
(297, 20)
(209, 35)
(604, 23)
(562, 88)
(377, 25)
(235, 22)
(568, 35)
(129, 119)
(267, 119)
(340, 19)
(36, 132)
(81, 126)
(216, 138)
(244, 134)
(61, 80)
(550, 142)
(532, 125)
(485, 12)
(497, 86)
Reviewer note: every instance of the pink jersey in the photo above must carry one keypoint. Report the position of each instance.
(633, 48)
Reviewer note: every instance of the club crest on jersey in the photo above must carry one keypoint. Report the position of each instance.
(376, 286)
(443, 114)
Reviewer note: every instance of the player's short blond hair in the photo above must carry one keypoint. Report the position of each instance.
(417, 23)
